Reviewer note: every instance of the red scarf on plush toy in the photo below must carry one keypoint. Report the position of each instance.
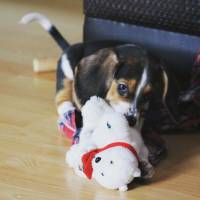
(88, 157)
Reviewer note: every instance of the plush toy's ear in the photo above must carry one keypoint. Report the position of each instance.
(123, 188)
(137, 172)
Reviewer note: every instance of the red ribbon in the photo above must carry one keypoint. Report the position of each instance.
(88, 157)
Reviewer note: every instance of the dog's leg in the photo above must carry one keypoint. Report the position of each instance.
(155, 144)
(64, 88)
(66, 110)
(146, 168)
(69, 120)
(63, 98)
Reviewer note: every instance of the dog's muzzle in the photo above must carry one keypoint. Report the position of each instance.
(138, 107)
(137, 110)
(132, 116)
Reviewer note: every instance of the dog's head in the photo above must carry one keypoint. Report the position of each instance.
(137, 77)
(126, 76)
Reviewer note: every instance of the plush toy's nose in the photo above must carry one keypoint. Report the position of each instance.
(97, 159)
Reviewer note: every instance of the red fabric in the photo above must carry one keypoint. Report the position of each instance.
(67, 123)
(88, 157)
(87, 162)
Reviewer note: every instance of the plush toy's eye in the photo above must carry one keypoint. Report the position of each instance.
(122, 89)
(102, 174)
(111, 162)
(108, 125)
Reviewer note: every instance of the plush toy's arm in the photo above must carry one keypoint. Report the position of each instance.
(123, 188)
(74, 159)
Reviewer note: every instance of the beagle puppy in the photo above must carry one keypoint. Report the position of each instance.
(125, 75)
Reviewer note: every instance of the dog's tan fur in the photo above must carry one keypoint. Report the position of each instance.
(76, 99)
(113, 95)
(66, 93)
(147, 89)
(108, 65)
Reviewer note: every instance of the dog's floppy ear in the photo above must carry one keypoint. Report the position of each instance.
(162, 84)
(104, 61)
(157, 78)
(94, 74)
(105, 57)
(169, 94)
(165, 84)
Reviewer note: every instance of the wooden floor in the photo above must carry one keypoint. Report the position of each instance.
(32, 151)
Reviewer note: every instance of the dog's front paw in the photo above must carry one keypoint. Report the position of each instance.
(147, 170)
(156, 153)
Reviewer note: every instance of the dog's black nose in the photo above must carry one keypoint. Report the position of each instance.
(131, 120)
(97, 159)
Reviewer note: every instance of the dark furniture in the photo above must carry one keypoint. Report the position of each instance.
(170, 29)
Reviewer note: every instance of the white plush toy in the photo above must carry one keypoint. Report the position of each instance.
(109, 150)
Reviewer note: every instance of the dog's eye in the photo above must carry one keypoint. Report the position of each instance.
(122, 89)
(102, 174)
(111, 162)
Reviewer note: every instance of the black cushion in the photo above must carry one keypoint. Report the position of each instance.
(167, 28)
(173, 15)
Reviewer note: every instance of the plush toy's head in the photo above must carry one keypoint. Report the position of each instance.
(114, 168)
